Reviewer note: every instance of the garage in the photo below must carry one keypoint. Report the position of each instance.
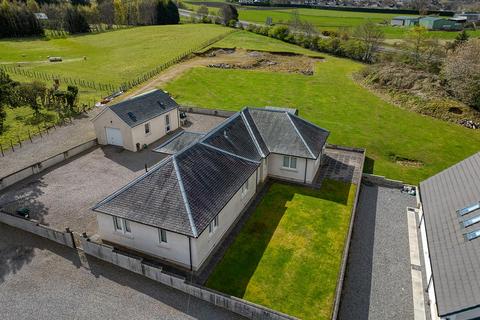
(114, 136)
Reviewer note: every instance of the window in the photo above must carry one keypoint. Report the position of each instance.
(245, 188)
(472, 221)
(147, 128)
(213, 225)
(469, 209)
(167, 122)
(472, 235)
(289, 162)
(121, 225)
(162, 235)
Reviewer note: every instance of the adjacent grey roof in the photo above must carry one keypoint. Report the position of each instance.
(291, 110)
(454, 259)
(287, 134)
(179, 142)
(186, 191)
(144, 107)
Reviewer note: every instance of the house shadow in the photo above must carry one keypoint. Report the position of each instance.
(357, 284)
(17, 249)
(368, 165)
(244, 254)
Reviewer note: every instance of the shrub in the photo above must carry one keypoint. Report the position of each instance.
(279, 32)
(75, 21)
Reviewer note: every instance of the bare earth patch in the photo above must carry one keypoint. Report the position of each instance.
(233, 59)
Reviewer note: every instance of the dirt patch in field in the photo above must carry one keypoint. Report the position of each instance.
(232, 59)
(260, 60)
(406, 162)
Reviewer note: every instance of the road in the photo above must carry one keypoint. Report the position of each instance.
(42, 280)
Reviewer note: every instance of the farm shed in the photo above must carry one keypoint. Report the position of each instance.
(138, 121)
(404, 21)
(437, 23)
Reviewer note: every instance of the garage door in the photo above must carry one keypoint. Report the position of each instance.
(114, 137)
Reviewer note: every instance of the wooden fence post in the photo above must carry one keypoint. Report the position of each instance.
(1, 150)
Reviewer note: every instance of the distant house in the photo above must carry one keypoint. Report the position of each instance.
(182, 209)
(450, 227)
(138, 121)
(438, 23)
(40, 16)
(404, 21)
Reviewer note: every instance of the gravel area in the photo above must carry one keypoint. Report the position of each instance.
(62, 196)
(42, 280)
(55, 142)
(378, 281)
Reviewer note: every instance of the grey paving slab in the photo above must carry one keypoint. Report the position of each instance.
(340, 165)
(42, 280)
(378, 280)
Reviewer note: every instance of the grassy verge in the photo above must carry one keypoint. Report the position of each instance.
(288, 255)
(333, 100)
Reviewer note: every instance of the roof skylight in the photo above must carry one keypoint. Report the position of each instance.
(469, 209)
(472, 235)
(472, 221)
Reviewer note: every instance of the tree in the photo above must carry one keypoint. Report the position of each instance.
(8, 97)
(17, 20)
(75, 21)
(421, 5)
(202, 11)
(33, 94)
(228, 13)
(167, 12)
(462, 73)
(422, 51)
(371, 38)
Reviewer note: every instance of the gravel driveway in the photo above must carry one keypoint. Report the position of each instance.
(378, 282)
(42, 280)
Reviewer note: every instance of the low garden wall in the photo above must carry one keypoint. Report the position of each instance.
(137, 265)
(209, 112)
(382, 181)
(65, 237)
(42, 165)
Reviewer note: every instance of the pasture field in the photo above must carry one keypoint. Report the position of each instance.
(332, 20)
(333, 100)
(111, 57)
(288, 254)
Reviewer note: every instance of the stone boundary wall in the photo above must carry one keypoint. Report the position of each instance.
(137, 265)
(382, 181)
(344, 148)
(24, 173)
(209, 112)
(346, 248)
(65, 238)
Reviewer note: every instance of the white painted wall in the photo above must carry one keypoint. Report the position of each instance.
(157, 128)
(132, 136)
(276, 169)
(206, 242)
(145, 239)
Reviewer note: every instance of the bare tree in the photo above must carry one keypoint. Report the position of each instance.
(371, 37)
(462, 72)
(421, 5)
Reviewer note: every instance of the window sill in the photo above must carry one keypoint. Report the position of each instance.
(163, 245)
(288, 169)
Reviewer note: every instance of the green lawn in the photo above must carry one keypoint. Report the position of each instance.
(333, 100)
(111, 57)
(288, 254)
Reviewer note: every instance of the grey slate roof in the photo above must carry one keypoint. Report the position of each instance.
(144, 107)
(287, 134)
(179, 142)
(186, 191)
(454, 259)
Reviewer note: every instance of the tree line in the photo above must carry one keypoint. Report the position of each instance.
(17, 18)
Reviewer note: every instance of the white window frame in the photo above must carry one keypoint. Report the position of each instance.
(162, 236)
(213, 225)
(245, 188)
(122, 225)
(148, 129)
(291, 162)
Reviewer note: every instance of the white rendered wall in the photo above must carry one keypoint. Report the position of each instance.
(157, 129)
(108, 119)
(276, 169)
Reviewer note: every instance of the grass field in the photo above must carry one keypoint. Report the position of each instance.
(288, 254)
(111, 57)
(332, 20)
(331, 99)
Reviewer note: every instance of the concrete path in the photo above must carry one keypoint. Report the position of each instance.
(42, 280)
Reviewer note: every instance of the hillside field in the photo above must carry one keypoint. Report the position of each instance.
(333, 100)
(332, 20)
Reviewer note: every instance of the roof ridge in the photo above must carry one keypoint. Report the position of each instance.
(153, 169)
(229, 153)
(184, 196)
(300, 135)
(250, 131)
(219, 126)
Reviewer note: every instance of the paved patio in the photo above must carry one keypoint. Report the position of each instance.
(341, 165)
